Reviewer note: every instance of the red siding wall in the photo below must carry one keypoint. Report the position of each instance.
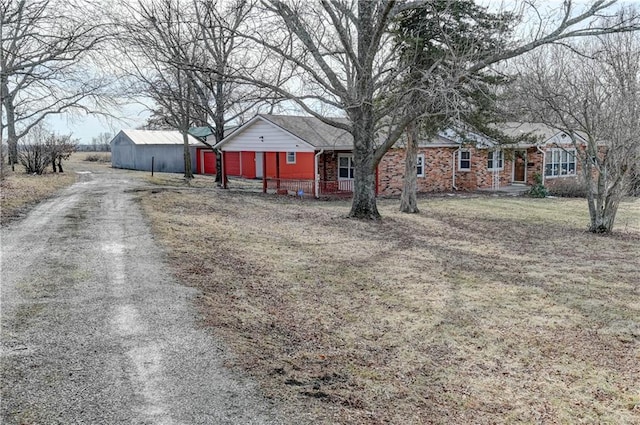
(302, 169)
(232, 163)
(209, 162)
(205, 161)
(248, 165)
(199, 153)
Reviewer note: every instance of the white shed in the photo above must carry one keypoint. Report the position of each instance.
(134, 150)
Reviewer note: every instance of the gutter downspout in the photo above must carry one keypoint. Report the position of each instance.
(453, 173)
(544, 163)
(317, 173)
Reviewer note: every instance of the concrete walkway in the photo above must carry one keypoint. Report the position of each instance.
(509, 190)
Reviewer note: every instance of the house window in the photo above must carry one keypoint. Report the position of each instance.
(560, 162)
(345, 167)
(420, 165)
(464, 160)
(291, 157)
(495, 160)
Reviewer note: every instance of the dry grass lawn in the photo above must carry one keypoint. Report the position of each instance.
(19, 191)
(477, 310)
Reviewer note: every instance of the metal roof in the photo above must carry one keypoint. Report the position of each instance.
(200, 132)
(159, 137)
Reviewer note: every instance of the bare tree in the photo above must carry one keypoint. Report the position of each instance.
(101, 142)
(186, 56)
(41, 148)
(345, 62)
(47, 65)
(591, 91)
(33, 155)
(59, 147)
(155, 36)
(223, 65)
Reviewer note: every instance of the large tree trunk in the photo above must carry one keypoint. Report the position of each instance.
(12, 138)
(188, 173)
(603, 195)
(364, 186)
(409, 197)
(219, 123)
(363, 121)
(364, 205)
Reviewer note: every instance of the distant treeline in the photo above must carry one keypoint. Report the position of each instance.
(94, 147)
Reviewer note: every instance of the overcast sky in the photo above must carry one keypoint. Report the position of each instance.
(85, 128)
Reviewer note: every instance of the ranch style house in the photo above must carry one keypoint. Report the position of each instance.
(305, 156)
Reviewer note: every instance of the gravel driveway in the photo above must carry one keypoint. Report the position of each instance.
(96, 331)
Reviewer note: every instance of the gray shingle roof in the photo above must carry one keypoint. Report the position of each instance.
(313, 131)
(542, 132)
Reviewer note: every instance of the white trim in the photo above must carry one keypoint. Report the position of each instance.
(570, 151)
(460, 168)
(345, 155)
(294, 157)
(500, 160)
(433, 145)
(420, 156)
(307, 146)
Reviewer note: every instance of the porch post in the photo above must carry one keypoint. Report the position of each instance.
(264, 172)
(317, 173)
(278, 170)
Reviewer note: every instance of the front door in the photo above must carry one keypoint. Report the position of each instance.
(520, 167)
(259, 165)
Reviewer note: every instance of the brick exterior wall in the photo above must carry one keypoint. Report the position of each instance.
(437, 173)
(438, 170)
(328, 165)
(438, 163)
(534, 164)
(478, 176)
(550, 181)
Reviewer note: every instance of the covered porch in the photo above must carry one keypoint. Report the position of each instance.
(296, 173)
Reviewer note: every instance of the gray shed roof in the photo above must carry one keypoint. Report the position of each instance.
(159, 137)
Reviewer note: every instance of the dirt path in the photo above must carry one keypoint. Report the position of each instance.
(95, 330)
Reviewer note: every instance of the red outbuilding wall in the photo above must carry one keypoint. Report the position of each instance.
(232, 163)
(205, 161)
(248, 165)
(302, 169)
